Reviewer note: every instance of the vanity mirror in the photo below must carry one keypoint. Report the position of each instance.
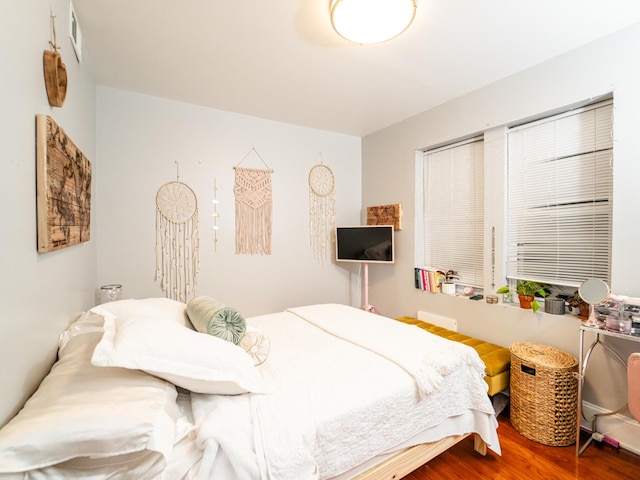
(593, 291)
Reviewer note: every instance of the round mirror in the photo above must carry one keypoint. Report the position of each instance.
(593, 291)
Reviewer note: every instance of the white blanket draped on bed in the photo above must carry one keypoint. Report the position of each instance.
(425, 357)
(319, 422)
(233, 432)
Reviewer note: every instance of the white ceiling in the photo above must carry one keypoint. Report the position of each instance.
(281, 60)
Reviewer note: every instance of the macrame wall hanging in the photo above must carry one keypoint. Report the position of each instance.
(322, 211)
(177, 242)
(254, 204)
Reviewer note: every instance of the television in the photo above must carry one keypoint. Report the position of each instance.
(365, 244)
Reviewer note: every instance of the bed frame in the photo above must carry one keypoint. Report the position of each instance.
(414, 457)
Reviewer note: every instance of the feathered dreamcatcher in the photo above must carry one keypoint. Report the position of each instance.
(177, 243)
(254, 205)
(322, 211)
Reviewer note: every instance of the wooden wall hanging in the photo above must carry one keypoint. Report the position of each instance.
(55, 72)
(385, 215)
(63, 188)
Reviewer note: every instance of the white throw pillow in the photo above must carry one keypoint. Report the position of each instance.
(196, 361)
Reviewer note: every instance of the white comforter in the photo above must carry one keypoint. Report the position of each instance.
(346, 385)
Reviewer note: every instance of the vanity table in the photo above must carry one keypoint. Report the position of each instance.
(634, 336)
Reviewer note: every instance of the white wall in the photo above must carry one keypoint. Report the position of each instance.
(608, 65)
(139, 140)
(41, 293)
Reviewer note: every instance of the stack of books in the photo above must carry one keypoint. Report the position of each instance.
(428, 280)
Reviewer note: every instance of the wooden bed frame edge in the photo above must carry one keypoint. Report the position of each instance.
(414, 457)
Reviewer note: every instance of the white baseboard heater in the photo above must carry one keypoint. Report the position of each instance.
(439, 320)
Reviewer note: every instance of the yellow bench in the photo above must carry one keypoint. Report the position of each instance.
(497, 359)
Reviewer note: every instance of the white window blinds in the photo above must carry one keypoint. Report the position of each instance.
(560, 182)
(454, 210)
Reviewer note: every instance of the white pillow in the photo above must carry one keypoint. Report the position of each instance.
(196, 361)
(102, 420)
(149, 307)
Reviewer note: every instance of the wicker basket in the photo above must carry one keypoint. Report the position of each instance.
(544, 392)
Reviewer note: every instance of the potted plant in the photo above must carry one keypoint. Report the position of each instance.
(527, 291)
(578, 303)
(449, 284)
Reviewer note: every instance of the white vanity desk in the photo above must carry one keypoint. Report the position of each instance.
(634, 336)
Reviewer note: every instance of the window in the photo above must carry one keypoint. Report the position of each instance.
(560, 181)
(453, 209)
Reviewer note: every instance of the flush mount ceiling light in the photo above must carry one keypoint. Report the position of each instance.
(371, 21)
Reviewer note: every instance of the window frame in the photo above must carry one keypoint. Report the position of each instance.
(496, 187)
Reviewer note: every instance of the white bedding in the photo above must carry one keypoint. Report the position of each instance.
(334, 404)
(345, 388)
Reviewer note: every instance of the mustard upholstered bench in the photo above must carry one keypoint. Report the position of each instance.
(497, 359)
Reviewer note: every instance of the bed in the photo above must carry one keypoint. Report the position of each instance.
(321, 392)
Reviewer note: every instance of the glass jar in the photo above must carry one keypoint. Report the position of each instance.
(110, 293)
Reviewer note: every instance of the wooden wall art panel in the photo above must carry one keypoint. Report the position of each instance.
(63, 188)
(385, 215)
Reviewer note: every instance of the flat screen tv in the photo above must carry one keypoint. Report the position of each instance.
(365, 244)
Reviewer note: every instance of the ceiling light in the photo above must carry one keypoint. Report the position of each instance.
(371, 21)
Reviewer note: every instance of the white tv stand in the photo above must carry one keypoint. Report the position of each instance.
(366, 306)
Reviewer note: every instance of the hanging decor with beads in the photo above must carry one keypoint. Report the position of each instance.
(322, 211)
(254, 205)
(215, 215)
(177, 242)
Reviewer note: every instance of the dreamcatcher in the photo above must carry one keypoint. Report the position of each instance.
(177, 243)
(322, 211)
(254, 204)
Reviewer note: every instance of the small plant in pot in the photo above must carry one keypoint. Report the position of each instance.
(449, 284)
(527, 290)
(579, 304)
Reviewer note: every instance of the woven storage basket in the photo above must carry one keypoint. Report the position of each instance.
(544, 392)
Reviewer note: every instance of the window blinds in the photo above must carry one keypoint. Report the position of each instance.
(454, 210)
(560, 183)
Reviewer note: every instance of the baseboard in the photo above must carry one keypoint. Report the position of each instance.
(618, 427)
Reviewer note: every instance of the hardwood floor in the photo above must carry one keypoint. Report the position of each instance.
(523, 459)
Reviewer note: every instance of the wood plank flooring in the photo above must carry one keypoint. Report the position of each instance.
(523, 459)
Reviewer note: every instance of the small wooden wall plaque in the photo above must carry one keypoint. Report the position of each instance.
(55, 78)
(385, 215)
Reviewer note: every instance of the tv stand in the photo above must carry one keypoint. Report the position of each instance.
(366, 306)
